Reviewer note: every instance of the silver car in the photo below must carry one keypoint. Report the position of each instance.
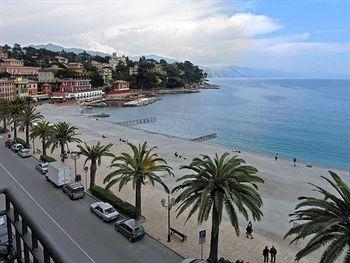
(24, 153)
(16, 147)
(42, 167)
(104, 210)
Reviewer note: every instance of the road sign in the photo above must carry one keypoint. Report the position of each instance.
(202, 235)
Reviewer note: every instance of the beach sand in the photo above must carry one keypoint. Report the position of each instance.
(284, 183)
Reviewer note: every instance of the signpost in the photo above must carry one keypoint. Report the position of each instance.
(202, 235)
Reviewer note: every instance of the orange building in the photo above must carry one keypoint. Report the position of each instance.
(7, 89)
(120, 85)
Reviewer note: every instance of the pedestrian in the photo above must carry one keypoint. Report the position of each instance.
(295, 160)
(249, 230)
(176, 155)
(273, 252)
(266, 252)
(276, 156)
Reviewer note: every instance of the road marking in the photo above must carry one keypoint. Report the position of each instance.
(31, 197)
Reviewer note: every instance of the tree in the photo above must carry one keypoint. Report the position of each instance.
(15, 109)
(27, 116)
(94, 154)
(139, 167)
(62, 134)
(326, 220)
(4, 112)
(215, 184)
(43, 130)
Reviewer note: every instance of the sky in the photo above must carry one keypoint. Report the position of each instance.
(292, 35)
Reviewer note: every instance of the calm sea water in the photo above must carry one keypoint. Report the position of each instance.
(308, 119)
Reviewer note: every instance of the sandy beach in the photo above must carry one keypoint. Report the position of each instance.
(283, 184)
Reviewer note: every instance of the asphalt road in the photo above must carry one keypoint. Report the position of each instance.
(81, 234)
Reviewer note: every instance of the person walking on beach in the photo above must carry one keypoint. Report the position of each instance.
(295, 161)
(249, 230)
(273, 252)
(276, 157)
(266, 252)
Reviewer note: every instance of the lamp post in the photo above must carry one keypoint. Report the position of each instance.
(169, 206)
(86, 171)
(75, 156)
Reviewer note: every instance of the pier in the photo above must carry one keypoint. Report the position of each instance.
(136, 122)
(205, 137)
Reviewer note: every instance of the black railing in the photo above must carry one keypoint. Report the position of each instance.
(31, 243)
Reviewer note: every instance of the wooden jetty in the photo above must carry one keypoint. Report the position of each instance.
(136, 122)
(205, 137)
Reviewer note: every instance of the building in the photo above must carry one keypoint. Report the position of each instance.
(46, 75)
(7, 89)
(74, 85)
(96, 64)
(3, 53)
(86, 95)
(158, 69)
(120, 85)
(46, 88)
(115, 60)
(77, 67)
(134, 70)
(16, 68)
(106, 74)
(62, 60)
(25, 87)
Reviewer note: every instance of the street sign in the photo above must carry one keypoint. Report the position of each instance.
(202, 235)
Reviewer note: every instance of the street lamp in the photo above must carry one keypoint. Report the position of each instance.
(170, 204)
(86, 171)
(75, 156)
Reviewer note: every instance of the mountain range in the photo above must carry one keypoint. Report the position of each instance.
(212, 71)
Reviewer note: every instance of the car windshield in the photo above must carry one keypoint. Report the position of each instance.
(78, 190)
(138, 229)
(109, 210)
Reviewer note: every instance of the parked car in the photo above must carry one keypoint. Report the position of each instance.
(16, 147)
(131, 229)
(105, 211)
(24, 153)
(9, 143)
(193, 260)
(74, 190)
(42, 167)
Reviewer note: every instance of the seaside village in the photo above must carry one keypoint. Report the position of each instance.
(202, 203)
(65, 77)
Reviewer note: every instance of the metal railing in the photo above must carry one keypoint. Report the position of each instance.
(31, 243)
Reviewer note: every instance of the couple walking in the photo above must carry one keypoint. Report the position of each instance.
(272, 252)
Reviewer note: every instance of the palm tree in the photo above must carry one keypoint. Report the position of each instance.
(4, 112)
(215, 184)
(43, 130)
(62, 134)
(94, 154)
(15, 109)
(326, 220)
(139, 167)
(27, 116)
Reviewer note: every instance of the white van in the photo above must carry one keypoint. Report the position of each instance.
(58, 173)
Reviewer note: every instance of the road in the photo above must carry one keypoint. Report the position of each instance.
(83, 236)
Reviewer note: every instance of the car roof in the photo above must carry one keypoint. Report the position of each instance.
(105, 205)
(76, 185)
(132, 223)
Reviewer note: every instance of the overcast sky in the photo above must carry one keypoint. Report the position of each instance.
(305, 35)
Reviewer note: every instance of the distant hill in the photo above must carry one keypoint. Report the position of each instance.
(57, 48)
(155, 57)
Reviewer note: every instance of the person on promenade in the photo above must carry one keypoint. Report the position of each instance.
(266, 252)
(249, 230)
(295, 161)
(276, 157)
(273, 252)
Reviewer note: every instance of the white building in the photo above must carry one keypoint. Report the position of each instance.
(86, 95)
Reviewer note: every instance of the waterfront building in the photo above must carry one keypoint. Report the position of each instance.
(46, 75)
(120, 85)
(86, 95)
(62, 60)
(16, 68)
(46, 88)
(74, 85)
(25, 87)
(7, 89)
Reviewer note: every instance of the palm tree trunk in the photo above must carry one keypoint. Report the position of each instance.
(138, 199)
(93, 169)
(27, 135)
(43, 143)
(214, 240)
(15, 129)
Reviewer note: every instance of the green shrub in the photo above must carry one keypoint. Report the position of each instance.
(223, 260)
(47, 159)
(19, 140)
(119, 204)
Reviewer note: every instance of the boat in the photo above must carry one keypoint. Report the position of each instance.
(100, 115)
(100, 105)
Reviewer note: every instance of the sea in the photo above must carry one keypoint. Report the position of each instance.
(308, 119)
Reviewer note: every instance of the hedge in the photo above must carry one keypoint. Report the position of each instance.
(106, 196)
(19, 140)
(223, 260)
(47, 159)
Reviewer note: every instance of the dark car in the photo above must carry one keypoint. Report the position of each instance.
(74, 190)
(9, 143)
(131, 229)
